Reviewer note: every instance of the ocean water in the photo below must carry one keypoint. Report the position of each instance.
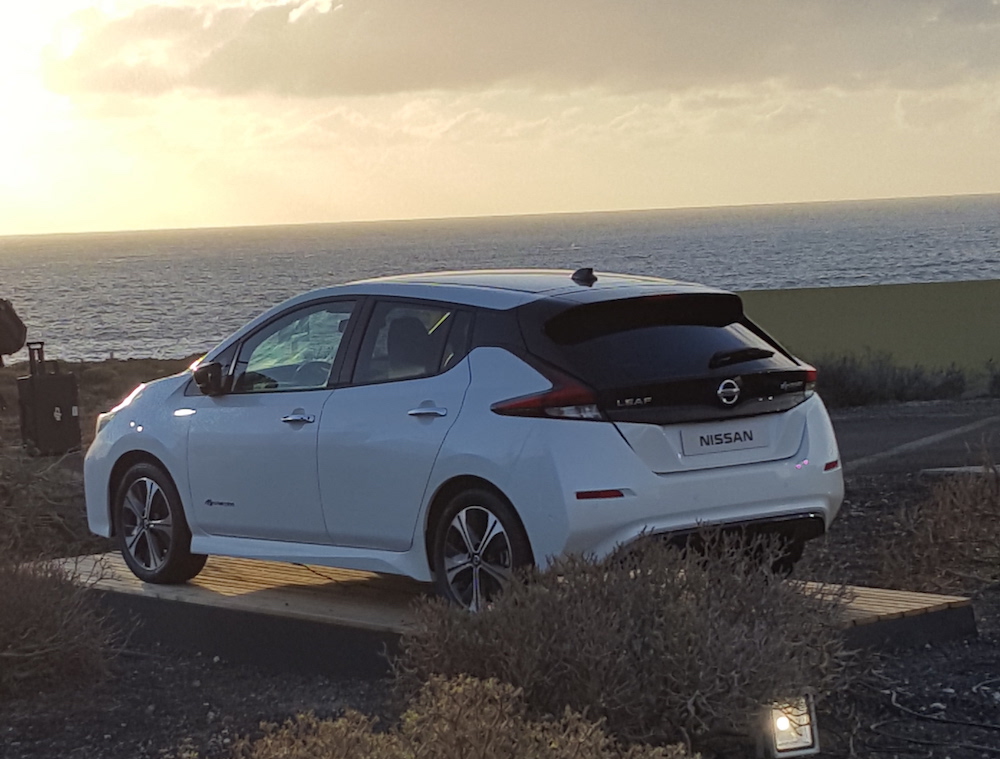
(172, 293)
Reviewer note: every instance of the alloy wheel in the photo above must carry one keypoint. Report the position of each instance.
(477, 556)
(147, 523)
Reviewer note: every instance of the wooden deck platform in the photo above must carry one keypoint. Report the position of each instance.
(362, 600)
(246, 609)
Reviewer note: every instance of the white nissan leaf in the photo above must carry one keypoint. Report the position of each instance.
(453, 426)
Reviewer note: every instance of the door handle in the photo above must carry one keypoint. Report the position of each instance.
(299, 419)
(427, 411)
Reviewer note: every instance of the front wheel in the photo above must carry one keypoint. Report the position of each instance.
(150, 528)
(478, 543)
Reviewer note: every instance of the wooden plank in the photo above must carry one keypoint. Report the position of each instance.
(221, 585)
(377, 602)
(864, 592)
(867, 605)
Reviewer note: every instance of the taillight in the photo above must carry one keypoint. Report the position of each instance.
(810, 382)
(568, 398)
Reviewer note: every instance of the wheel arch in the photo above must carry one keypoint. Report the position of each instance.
(122, 465)
(448, 490)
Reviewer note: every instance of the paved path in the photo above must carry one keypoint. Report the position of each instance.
(914, 436)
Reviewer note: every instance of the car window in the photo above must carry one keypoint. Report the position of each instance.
(404, 341)
(294, 352)
(642, 341)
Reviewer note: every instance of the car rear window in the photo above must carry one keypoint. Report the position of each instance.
(657, 339)
(582, 323)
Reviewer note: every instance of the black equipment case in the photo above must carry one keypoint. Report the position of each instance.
(50, 407)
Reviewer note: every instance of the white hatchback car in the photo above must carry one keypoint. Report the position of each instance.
(453, 426)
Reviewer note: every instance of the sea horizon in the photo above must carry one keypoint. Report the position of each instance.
(500, 216)
(175, 292)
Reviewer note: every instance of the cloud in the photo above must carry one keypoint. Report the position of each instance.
(320, 48)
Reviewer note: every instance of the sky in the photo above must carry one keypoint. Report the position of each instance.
(133, 114)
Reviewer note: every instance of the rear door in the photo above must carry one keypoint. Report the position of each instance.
(687, 379)
(380, 435)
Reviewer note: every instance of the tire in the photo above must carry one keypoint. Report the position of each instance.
(150, 527)
(478, 543)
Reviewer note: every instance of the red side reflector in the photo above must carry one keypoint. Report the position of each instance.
(586, 495)
(831, 465)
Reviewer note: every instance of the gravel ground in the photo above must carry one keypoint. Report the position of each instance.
(937, 701)
(159, 704)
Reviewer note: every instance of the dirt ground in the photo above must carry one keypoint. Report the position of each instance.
(936, 701)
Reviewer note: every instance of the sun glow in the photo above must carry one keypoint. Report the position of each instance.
(137, 114)
(30, 112)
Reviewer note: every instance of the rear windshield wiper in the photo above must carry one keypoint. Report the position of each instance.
(738, 356)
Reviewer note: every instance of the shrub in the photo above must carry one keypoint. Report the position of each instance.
(50, 628)
(99, 375)
(665, 645)
(949, 542)
(42, 512)
(449, 719)
(992, 379)
(873, 377)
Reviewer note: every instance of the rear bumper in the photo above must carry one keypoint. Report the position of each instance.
(758, 498)
(796, 528)
(797, 497)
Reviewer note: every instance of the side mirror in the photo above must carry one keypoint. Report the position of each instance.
(209, 378)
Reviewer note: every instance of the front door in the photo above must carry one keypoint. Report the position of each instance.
(252, 451)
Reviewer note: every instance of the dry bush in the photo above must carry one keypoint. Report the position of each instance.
(949, 542)
(665, 645)
(992, 379)
(874, 377)
(42, 512)
(449, 719)
(50, 627)
(51, 630)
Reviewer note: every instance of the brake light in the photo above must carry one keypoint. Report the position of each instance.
(810, 380)
(568, 398)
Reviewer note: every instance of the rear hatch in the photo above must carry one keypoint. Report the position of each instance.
(688, 380)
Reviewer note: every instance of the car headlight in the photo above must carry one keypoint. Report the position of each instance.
(790, 729)
(104, 418)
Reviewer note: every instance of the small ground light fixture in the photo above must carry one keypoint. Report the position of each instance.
(790, 729)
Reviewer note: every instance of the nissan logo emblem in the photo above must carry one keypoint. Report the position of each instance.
(728, 392)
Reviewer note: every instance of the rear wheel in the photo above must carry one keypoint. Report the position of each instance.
(478, 543)
(150, 527)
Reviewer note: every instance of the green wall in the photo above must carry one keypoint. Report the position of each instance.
(931, 325)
